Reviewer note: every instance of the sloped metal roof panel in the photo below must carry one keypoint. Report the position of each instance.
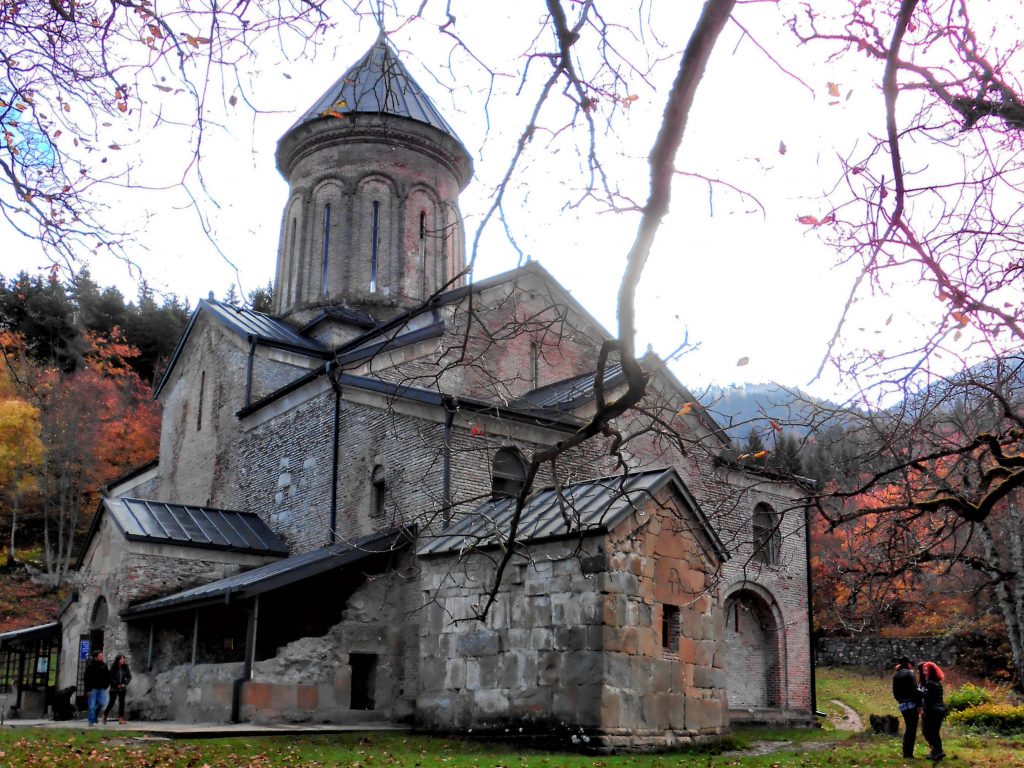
(567, 394)
(581, 508)
(193, 526)
(273, 575)
(378, 84)
(268, 329)
(29, 633)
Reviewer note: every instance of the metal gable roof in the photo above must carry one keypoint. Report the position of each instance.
(159, 522)
(273, 575)
(378, 84)
(265, 328)
(568, 393)
(593, 506)
(29, 633)
(259, 327)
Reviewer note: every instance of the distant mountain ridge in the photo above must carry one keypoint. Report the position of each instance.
(738, 408)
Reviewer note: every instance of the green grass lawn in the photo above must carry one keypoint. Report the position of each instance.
(812, 748)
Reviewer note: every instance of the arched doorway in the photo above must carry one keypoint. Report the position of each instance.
(98, 623)
(753, 652)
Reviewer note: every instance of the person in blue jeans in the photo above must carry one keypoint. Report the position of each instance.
(908, 696)
(96, 682)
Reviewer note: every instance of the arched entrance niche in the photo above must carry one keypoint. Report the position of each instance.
(754, 650)
(98, 623)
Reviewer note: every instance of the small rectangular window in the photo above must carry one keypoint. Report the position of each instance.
(378, 492)
(671, 629)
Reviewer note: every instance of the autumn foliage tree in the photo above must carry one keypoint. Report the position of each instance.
(21, 450)
(95, 423)
(933, 497)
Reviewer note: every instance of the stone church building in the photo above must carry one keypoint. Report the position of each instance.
(324, 535)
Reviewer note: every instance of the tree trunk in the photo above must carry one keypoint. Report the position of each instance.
(1008, 589)
(14, 524)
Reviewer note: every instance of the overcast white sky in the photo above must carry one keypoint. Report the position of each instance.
(733, 280)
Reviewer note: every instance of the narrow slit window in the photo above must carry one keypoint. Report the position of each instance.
(423, 250)
(202, 391)
(671, 629)
(374, 244)
(534, 365)
(326, 250)
(293, 258)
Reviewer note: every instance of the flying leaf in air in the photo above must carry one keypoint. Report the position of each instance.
(742, 361)
(833, 90)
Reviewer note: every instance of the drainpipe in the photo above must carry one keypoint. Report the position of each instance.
(446, 480)
(248, 373)
(332, 376)
(250, 656)
(810, 609)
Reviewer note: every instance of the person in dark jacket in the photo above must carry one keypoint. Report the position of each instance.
(908, 696)
(120, 676)
(96, 682)
(933, 707)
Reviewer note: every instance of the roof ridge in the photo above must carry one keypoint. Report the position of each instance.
(378, 83)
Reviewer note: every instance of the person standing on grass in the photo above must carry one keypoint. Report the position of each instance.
(934, 708)
(96, 682)
(908, 696)
(120, 676)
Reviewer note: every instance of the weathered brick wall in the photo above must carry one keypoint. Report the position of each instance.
(519, 330)
(422, 170)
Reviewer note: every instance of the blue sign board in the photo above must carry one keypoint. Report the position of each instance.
(83, 649)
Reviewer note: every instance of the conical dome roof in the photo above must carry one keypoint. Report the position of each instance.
(378, 84)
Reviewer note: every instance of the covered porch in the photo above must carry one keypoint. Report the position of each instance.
(29, 665)
(311, 638)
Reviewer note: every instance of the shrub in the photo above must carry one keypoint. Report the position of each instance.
(1001, 718)
(967, 696)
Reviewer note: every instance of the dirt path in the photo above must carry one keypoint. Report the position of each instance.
(847, 720)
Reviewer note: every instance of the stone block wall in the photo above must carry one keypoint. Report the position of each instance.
(535, 663)
(573, 647)
(882, 652)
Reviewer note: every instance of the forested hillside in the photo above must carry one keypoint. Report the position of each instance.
(76, 412)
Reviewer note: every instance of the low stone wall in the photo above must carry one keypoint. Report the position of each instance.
(882, 652)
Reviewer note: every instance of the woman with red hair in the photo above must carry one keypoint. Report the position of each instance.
(934, 709)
